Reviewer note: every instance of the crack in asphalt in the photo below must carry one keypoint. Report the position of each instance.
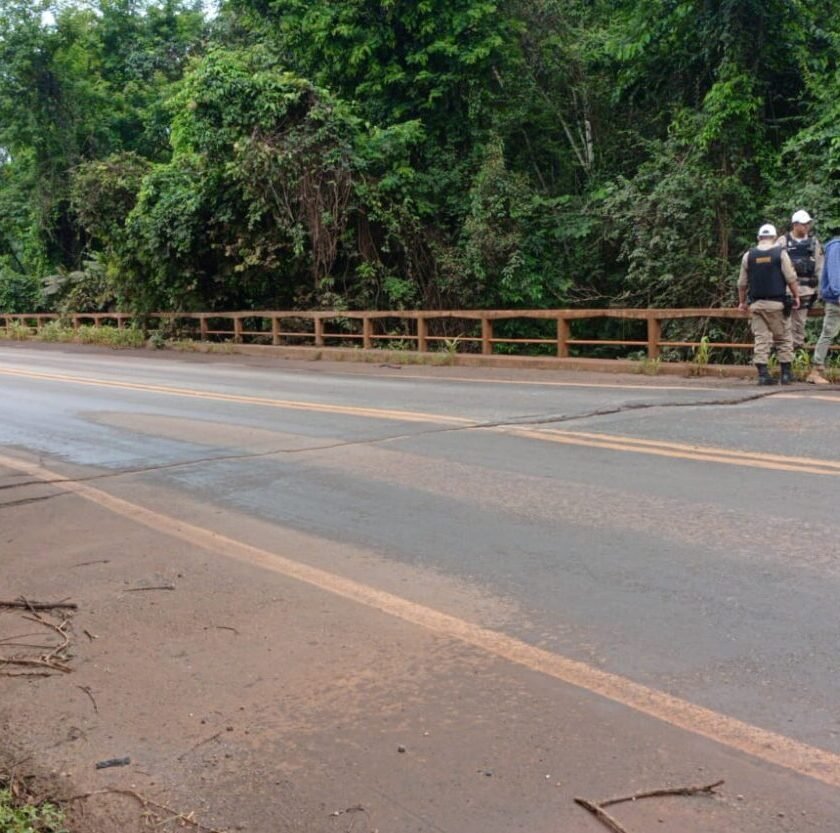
(506, 423)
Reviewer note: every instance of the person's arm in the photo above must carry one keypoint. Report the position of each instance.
(790, 276)
(743, 283)
(819, 260)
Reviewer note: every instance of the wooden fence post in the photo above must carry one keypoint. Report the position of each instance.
(275, 330)
(563, 334)
(319, 331)
(202, 327)
(486, 336)
(422, 335)
(237, 329)
(367, 333)
(654, 336)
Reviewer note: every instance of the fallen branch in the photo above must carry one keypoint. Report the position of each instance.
(88, 563)
(146, 802)
(153, 587)
(59, 629)
(597, 807)
(89, 693)
(27, 605)
(56, 666)
(708, 789)
(25, 674)
(198, 745)
(602, 815)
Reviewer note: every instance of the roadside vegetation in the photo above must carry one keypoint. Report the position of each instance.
(445, 154)
(23, 814)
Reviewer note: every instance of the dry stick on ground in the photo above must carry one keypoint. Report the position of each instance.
(25, 674)
(199, 744)
(597, 808)
(89, 693)
(602, 815)
(146, 802)
(708, 789)
(155, 587)
(40, 663)
(27, 605)
(59, 629)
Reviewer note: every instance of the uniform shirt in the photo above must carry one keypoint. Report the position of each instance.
(818, 264)
(787, 266)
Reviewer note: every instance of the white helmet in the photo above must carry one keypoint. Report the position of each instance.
(801, 216)
(767, 230)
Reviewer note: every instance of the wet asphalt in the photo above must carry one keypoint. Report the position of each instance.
(717, 582)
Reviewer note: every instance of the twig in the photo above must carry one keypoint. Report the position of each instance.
(89, 635)
(708, 789)
(597, 807)
(602, 815)
(146, 802)
(199, 744)
(88, 563)
(59, 629)
(153, 587)
(41, 663)
(89, 693)
(25, 674)
(27, 605)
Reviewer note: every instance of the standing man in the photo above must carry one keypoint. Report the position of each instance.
(806, 254)
(830, 292)
(766, 276)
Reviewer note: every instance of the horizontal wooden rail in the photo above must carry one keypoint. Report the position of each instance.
(360, 326)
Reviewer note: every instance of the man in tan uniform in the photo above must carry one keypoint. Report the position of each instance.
(806, 255)
(767, 274)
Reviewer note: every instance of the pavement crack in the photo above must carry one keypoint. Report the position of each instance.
(446, 429)
(627, 407)
(23, 501)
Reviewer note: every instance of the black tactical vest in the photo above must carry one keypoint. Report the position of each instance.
(765, 276)
(803, 256)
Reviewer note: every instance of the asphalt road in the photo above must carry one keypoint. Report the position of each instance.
(577, 584)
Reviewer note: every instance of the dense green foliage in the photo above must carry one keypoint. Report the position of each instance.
(402, 153)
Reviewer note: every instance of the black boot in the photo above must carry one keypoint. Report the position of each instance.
(764, 378)
(787, 376)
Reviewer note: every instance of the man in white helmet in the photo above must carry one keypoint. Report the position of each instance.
(806, 254)
(767, 274)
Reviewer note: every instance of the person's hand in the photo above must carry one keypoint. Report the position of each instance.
(743, 306)
(796, 302)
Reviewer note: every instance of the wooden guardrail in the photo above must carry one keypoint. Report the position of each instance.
(367, 328)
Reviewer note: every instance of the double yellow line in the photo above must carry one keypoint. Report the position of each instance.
(609, 442)
(262, 401)
(683, 451)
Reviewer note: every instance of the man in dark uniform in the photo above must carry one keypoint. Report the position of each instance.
(767, 275)
(806, 254)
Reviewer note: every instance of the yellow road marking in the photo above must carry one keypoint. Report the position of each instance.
(762, 744)
(702, 449)
(292, 405)
(818, 396)
(526, 383)
(802, 465)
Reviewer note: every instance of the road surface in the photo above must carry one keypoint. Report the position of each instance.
(453, 598)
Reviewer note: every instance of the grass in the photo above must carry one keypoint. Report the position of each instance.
(19, 815)
(56, 332)
(701, 357)
(649, 367)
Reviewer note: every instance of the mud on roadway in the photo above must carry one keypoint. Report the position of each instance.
(248, 699)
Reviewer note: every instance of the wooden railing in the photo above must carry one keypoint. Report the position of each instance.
(368, 328)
